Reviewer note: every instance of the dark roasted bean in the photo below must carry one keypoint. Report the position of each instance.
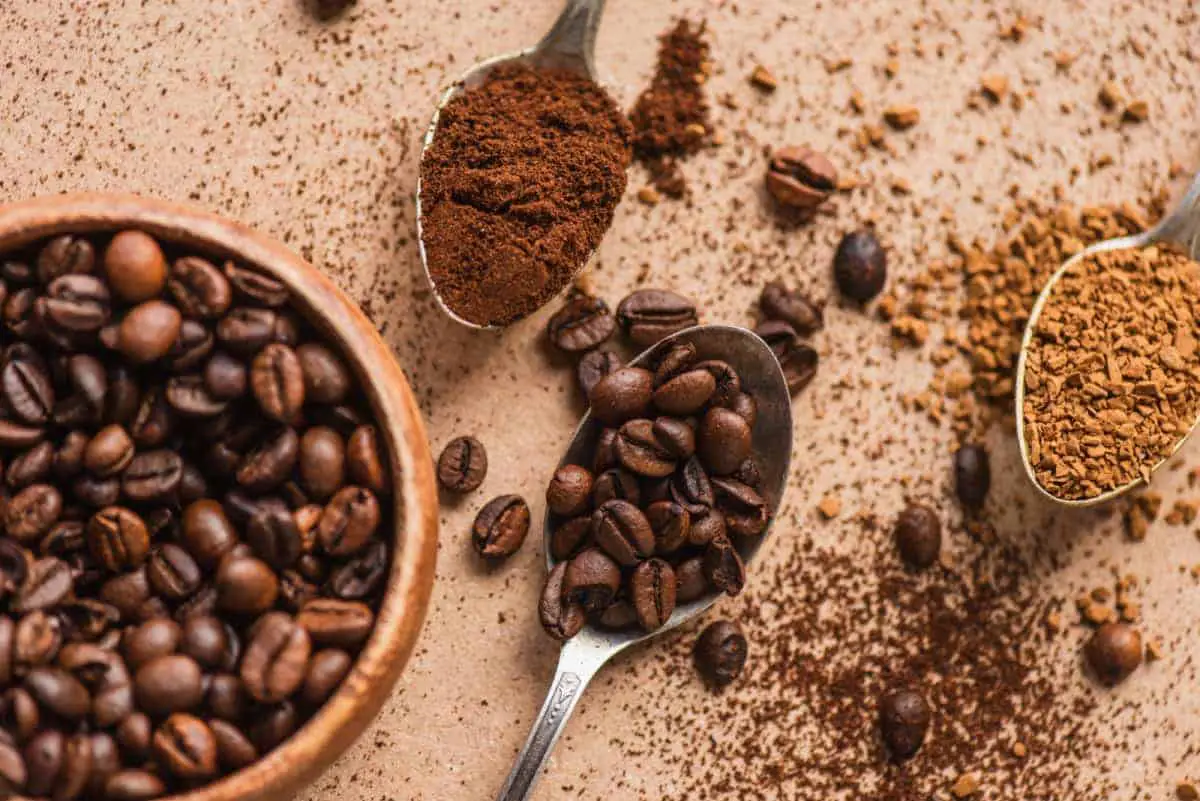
(652, 593)
(583, 323)
(723, 567)
(47, 584)
(594, 366)
(326, 379)
(335, 623)
(168, 684)
(118, 538)
(592, 580)
(904, 718)
(246, 586)
(972, 475)
(199, 288)
(649, 315)
(720, 652)
(570, 491)
(462, 465)
(622, 395)
(349, 520)
(234, 749)
(560, 618)
(622, 531)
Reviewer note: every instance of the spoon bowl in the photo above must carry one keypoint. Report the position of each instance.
(583, 655)
(1181, 228)
(569, 45)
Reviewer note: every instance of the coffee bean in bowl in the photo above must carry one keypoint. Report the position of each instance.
(199, 552)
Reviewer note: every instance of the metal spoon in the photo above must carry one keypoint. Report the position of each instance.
(586, 653)
(1181, 228)
(570, 45)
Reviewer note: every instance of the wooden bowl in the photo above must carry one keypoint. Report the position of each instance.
(297, 762)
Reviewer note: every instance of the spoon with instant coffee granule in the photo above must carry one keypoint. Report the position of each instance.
(569, 45)
(584, 654)
(1180, 229)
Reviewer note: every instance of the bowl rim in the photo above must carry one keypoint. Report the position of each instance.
(324, 737)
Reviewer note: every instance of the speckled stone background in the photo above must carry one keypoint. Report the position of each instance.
(311, 131)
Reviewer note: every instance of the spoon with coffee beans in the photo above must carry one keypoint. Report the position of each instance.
(667, 490)
(569, 45)
(1175, 239)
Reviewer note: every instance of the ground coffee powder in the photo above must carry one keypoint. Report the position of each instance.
(1111, 375)
(518, 188)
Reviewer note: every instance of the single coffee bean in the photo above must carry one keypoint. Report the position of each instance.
(362, 576)
(35, 640)
(16, 435)
(276, 724)
(48, 583)
(918, 534)
(192, 349)
(234, 749)
(326, 671)
(649, 315)
(1114, 652)
(44, 762)
(276, 658)
(168, 684)
(189, 396)
(690, 583)
(331, 622)
(211, 642)
(500, 527)
(462, 465)
(26, 385)
(127, 592)
(623, 532)
(678, 357)
(154, 420)
(87, 618)
(622, 395)
(322, 462)
(135, 266)
(109, 452)
(226, 697)
(207, 533)
(68, 459)
(652, 593)
(720, 652)
(106, 763)
(255, 286)
(19, 314)
(364, 460)
(592, 580)
(326, 378)
(246, 586)
(777, 302)
(972, 475)
(88, 381)
(20, 713)
(185, 746)
(675, 436)
(31, 467)
(723, 567)
(7, 649)
(729, 383)
(66, 254)
(225, 377)
(800, 178)
(561, 619)
(594, 366)
(799, 365)
(59, 692)
(96, 493)
(273, 534)
(149, 640)
(199, 288)
(118, 538)
(583, 323)
(744, 406)
(76, 304)
(606, 451)
(724, 441)
(148, 331)
(671, 524)
(685, 392)
(277, 381)
(639, 451)
(904, 718)
(134, 785)
(570, 537)
(12, 769)
(349, 520)
(32, 512)
(270, 462)
(860, 266)
(616, 483)
(745, 511)
(570, 491)
(245, 331)
(173, 572)
(76, 768)
(692, 487)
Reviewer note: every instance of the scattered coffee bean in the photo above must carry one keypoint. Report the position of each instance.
(595, 365)
(800, 178)
(720, 652)
(918, 534)
(500, 527)
(1114, 652)
(972, 475)
(860, 266)
(648, 315)
(777, 302)
(463, 465)
(904, 718)
(583, 323)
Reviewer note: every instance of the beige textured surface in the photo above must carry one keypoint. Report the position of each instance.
(311, 132)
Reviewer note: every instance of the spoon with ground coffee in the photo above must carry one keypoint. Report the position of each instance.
(1094, 425)
(585, 653)
(522, 167)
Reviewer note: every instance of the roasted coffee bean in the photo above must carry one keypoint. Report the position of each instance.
(692, 488)
(68, 459)
(185, 746)
(66, 254)
(270, 462)
(13, 567)
(192, 485)
(199, 288)
(127, 592)
(617, 616)
(88, 619)
(606, 451)
(19, 314)
(32, 512)
(118, 538)
(88, 382)
(723, 567)
(149, 640)
(728, 382)
(639, 451)
(616, 484)
(723, 441)
(188, 395)
(364, 460)
(276, 724)
(246, 331)
(246, 586)
(690, 583)
(133, 735)
(335, 623)
(622, 531)
(744, 510)
(211, 642)
(8, 631)
(583, 323)
(800, 178)
(860, 266)
(750, 472)
(799, 364)
(16, 435)
(207, 533)
(670, 523)
(569, 538)
(349, 520)
(19, 713)
(226, 697)
(148, 331)
(31, 467)
(124, 396)
(276, 658)
(106, 763)
(918, 534)
(685, 393)
(154, 420)
(225, 377)
(167, 685)
(570, 491)
(76, 303)
(48, 584)
(326, 671)
(12, 770)
(972, 475)
(652, 593)
(59, 692)
(500, 527)
(1114, 652)
(678, 357)
(904, 718)
(675, 436)
(96, 493)
(594, 366)
(322, 462)
(592, 580)
(35, 640)
(234, 749)
(649, 315)
(622, 395)
(109, 452)
(134, 266)
(44, 762)
(173, 572)
(273, 534)
(277, 382)
(26, 386)
(720, 652)
(745, 407)
(255, 286)
(326, 379)
(462, 465)
(134, 785)
(191, 349)
(561, 619)
(777, 302)
(361, 576)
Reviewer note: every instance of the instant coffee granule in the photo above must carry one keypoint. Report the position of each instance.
(518, 188)
(1111, 378)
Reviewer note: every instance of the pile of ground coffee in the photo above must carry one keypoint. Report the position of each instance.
(670, 118)
(1111, 374)
(518, 188)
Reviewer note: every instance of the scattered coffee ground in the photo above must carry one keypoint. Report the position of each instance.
(670, 119)
(518, 189)
(1111, 374)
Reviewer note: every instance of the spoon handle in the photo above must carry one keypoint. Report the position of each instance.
(1183, 225)
(577, 664)
(571, 43)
